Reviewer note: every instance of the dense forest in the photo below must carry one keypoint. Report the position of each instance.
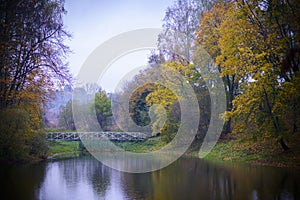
(254, 45)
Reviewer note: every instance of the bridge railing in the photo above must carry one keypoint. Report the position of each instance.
(112, 136)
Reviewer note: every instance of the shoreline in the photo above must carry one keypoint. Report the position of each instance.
(194, 154)
(227, 151)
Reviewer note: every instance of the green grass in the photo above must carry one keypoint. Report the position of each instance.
(62, 149)
(242, 148)
(59, 147)
(150, 144)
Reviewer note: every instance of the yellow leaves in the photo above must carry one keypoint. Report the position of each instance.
(255, 76)
(287, 91)
(162, 96)
(208, 33)
(249, 45)
(185, 70)
(226, 115)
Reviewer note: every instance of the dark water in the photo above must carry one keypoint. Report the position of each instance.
(187, 178)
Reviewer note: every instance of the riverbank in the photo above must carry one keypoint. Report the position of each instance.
(231, 149)
(60, 149)
(260, 151)
(65, 149)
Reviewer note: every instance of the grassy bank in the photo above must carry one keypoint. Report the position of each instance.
(150, 144)
(242, 148)
(63, 149)
(234, 149)
(259, 151)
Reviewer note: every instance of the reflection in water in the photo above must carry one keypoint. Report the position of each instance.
(83, 178)
(20, 181)
(195, 179)
(187, 178)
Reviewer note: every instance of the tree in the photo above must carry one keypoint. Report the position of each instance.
(138, 107)
(252, 45)
(166, 99)
(31, 62)
(103, 109)
(208, 37)
(65, 117)
(181, 20)
(31, 50)
(176, 50)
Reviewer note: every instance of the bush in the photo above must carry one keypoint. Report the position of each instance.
(14, 131)
(39, 146)
(18, 139)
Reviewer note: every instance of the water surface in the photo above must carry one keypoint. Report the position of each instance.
(187, 178)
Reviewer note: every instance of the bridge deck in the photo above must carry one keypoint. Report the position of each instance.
(112, 136)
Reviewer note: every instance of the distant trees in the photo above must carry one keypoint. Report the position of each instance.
(65, 117)
(103, 110)
(176, 42)
(31, 57)
(100, 105)
(59, 98)
(179, 26)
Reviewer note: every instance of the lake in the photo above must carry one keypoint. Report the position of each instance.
(187, 178)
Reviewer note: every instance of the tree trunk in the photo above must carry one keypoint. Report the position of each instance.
(283, 145)
(231, 88)
(227, 128)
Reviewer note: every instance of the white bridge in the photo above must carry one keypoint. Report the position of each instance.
(112, 136)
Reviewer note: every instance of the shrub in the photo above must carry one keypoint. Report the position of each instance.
(20, 136)
(38, 145)
(14, 131)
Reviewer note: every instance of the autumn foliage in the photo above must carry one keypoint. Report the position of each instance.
(31, 66)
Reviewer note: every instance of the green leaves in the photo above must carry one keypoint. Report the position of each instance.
(103, 109)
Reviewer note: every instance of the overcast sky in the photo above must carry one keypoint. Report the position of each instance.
(91, 22)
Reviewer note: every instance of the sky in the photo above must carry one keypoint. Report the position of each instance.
(92, 22)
